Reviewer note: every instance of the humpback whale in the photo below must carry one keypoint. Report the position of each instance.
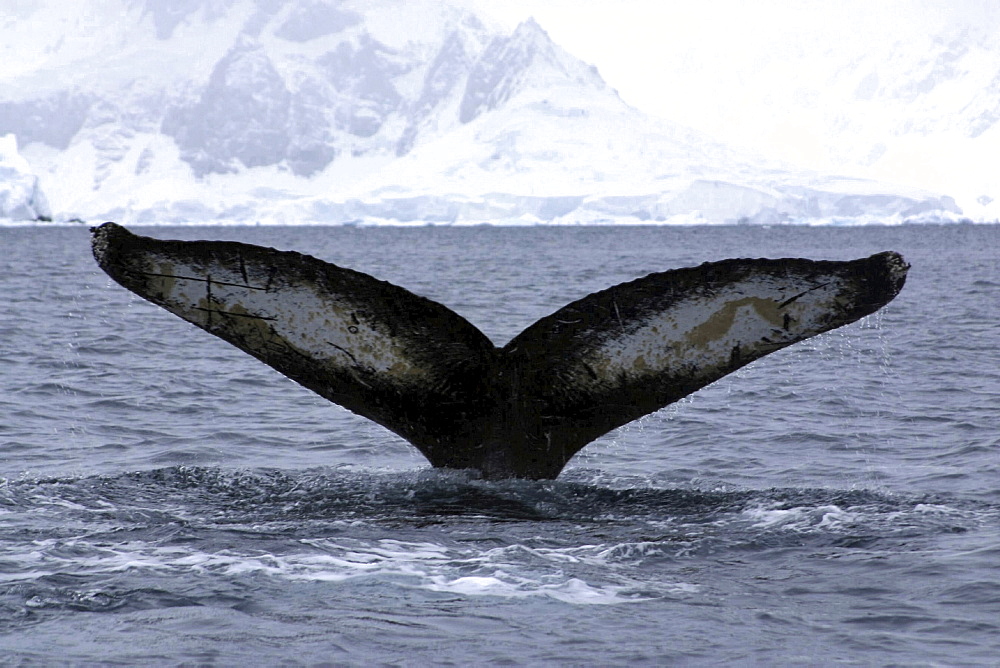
(523, 410)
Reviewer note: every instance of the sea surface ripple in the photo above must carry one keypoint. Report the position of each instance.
(167, 499)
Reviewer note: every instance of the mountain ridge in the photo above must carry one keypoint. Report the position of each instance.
(336, 112)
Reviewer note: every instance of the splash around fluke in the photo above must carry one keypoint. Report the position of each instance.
(520, 411)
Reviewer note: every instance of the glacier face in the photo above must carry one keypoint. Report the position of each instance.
(337, 111)
(20, 196)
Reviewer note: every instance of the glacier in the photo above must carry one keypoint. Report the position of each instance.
(359, 112)
(20, 196)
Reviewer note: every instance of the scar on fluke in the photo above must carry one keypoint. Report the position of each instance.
(520, 410)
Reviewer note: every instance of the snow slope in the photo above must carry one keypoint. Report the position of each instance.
(360, 110)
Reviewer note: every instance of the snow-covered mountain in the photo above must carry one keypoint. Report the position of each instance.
(903, 90)
(337, 111)
(928, 109)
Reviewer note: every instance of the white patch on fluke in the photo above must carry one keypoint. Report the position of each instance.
(702, 332)
(325, 327)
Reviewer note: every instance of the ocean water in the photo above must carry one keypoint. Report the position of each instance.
(166, 499)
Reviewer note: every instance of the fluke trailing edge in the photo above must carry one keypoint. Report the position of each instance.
(523, 410)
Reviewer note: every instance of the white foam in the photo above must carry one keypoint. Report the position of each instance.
(571, 590)
(585, 574)
(800, 518)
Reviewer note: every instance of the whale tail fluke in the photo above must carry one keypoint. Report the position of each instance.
(427, 374)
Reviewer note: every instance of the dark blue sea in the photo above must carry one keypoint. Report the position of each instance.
(167, 500)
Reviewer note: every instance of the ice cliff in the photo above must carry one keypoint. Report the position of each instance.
(20, 196)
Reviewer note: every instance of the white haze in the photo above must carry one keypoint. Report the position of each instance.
(903, 91)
